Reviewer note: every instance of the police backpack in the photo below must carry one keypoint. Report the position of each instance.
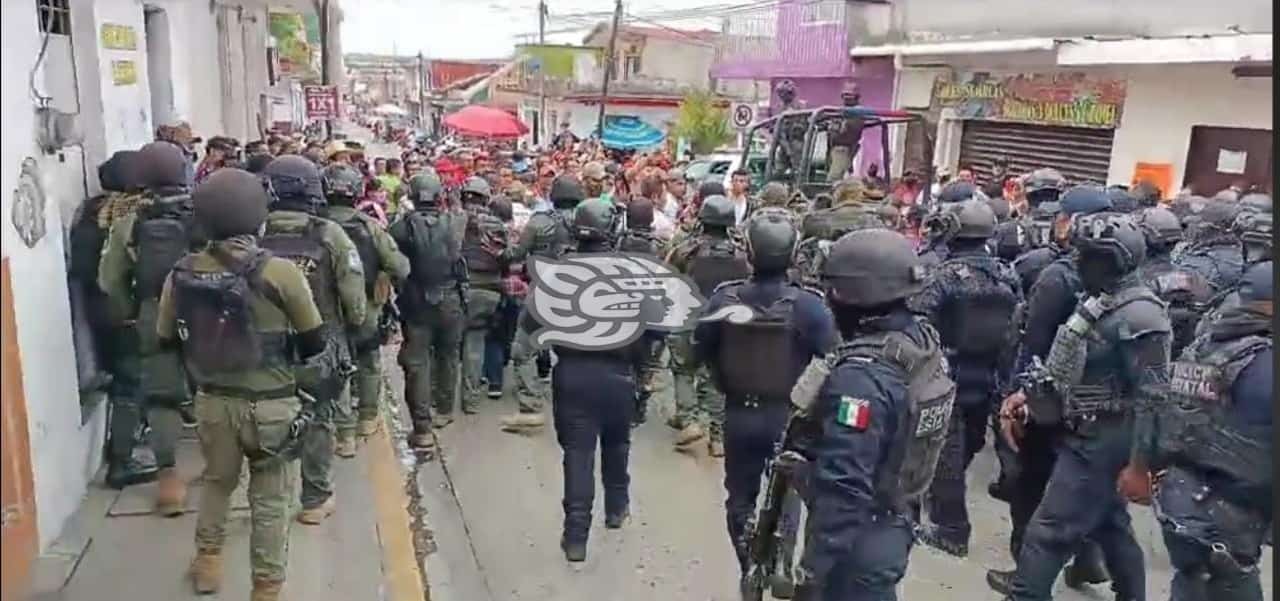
(305, 247)
(485, 238)
(755, 357)
(435, 257)
(1189, 296)
(716, 261)
(978, 320)
(161, 235)
(358, 231)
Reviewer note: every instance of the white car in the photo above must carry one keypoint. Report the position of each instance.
(719, 167)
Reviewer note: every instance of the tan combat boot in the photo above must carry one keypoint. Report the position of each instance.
(690, 434)
(422, 441)
(345, 445)
(206, 572)
(369, 426)
(266, 590)
(317, 514)
(523, 422)
(171, 493)
(716, 447)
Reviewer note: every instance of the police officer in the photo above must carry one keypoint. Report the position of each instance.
(141, 249)
(845, 135)
(482, 245)
(756, 363)
(383, 266)
(790, 130)
(881, 417)
(592, 396)
(1214, 493)
(970, 300)
(331, 262)
(776, 194)
(638, 238)
(710, 259)
(1212, 250)
(940, 224)
(547, 234)
(1253, 227)
(231, 307)
(431, 306)
(1185, 292)
(1106, 375)
(1041, 185)
(849, 211)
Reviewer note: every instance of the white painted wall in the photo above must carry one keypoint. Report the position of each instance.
(65, 454)
(1164, 102)
(685, 63)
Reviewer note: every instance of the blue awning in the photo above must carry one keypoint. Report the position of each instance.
(629, 132)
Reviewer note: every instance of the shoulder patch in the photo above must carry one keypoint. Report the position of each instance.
(353, 262)
(854, 413)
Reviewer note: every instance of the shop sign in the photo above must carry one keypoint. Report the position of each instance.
(124, 73)
(1070, 99)
(322, 101)
(119, 37)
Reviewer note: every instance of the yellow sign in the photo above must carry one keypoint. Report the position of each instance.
(119, 37)
(124, 73)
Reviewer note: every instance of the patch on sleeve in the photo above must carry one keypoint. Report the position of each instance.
(854, 413)
(353, 262)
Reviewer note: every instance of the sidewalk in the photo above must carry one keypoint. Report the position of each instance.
(114, 549)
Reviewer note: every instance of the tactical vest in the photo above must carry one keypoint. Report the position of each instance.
(978, 321)
(638, 241)
(1196, 426)
(1101, 390)
(921, 430)
(161, 236)
(830, 224)
(435, 257)
(755, 357)
(215, 319)
(553, 240)
(715, 261)
(1189, 296)
(370, 261)
(484, 231)
(305, 247)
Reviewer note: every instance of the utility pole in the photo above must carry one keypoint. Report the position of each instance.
(608, 68)
(422, 95)
(540, 131)
(323, 9)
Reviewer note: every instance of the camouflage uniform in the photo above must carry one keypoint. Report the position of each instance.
(849, 211)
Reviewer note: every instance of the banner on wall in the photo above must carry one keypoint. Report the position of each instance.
(1066, 99)
(297, 43)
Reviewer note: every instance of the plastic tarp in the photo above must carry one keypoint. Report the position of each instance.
(628, 132)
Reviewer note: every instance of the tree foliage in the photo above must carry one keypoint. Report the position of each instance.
(702, 123)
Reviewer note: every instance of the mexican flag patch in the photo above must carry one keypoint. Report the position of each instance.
(854, 413)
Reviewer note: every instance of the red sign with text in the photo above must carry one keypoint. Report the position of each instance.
(322, 102)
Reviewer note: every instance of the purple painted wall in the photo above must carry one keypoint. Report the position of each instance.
(796, 48)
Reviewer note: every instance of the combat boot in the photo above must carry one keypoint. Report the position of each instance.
(317, 514)
(716, 446)
(369, 425)
(931, 536)
(641, 409)
(1001, 581)
(206, 572)
(523, 422)
(1082, 572)
(574, 552)
(128, 472)
(441, 421)
(345, 445)
(171, 493)
(690, 434)
(266, 590)
(422, 441)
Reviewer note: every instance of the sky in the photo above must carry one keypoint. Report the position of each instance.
(471, 29)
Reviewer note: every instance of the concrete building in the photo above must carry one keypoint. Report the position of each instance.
(1179, 95)
(83, 79)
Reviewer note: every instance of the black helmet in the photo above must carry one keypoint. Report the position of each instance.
(640, 213)
(295, 179)
(1113, 235)
(771, 239)
(594, 221)
(342, 182)
(425, 190)
(1160, 227)
(1256, 201)
(114, 173)
(1121, 200)
(566, 191)
(872, 267)
(476, 185)
(163, 165)
(230, 202)
(1257, 285)
(1254, 231)
(1044, 184)
(959, 191)
(717, 210)
(974, 220)
(257, 162)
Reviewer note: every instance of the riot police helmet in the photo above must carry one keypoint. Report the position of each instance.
(594, 221)
(771, 239)
(1257, 283)
(115, 171)
(475, 189)
(1044, 184)
(163, 165)
(1084, 199)
(774, 194)
(1254, 231)
(1159, 226)
(1256, 202)
(425, 190)
(295, 180)
(566, 191)
(958, 191)
(1110, 237)
(1121, 200)
(640, 213)
(717, 210)
(342, 184)
(1219, 215)
(871, 268)
(230, 202)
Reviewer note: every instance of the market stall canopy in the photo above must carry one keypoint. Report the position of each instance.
(628, 132)
(484, 121)
(390, 109)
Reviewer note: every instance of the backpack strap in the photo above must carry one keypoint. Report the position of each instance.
(249, 267)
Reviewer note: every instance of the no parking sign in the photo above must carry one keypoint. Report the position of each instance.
(742, 114)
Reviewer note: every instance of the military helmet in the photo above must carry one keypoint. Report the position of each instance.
(594, 221)
(1112, 234)
(1219, 215)
(1227, 195)
(850, 191)
(1085, 199)
(425, 189)
(717, 210)
(1256, 201)
(786, 90)
(975, 220)
(115, 171)
(640, 213)
(1254, 231)
(1044, 179)
(230, 202)
(774, 194)
(771, 239)
(342, 182)
(162, 165)
(1160, 226)
(476, 185)
(1121, 200)
(872, 267)
(959, 191)
(566, 190)
(294, 177)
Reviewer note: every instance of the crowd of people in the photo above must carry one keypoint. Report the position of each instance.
(1114, 343)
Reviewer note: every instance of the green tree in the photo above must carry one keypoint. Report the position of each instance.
(702, 123)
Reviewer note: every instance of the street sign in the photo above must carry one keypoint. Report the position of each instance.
(742, 114)
(322, 102)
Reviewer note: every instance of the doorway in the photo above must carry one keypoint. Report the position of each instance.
(159, 65)
(1221, 156)
(17, 487)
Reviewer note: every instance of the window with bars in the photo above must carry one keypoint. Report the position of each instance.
(54, 16)
(822, 12)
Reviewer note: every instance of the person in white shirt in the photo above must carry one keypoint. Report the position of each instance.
(677, 194)
(738, 183)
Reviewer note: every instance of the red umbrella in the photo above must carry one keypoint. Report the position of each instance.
(478, 120)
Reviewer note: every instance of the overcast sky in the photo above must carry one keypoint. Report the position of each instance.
(472, 28)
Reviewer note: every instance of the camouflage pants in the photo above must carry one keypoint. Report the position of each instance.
(697, 399)
(317, 447)
(162, 386)
(367, 385)
(530, 391)
(481, 306)
(647, 381)
(429, 356)
(231, 429)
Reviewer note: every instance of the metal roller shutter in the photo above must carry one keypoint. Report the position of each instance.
(1082, 154)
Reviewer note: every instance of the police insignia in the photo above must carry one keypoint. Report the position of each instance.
(353, 261)
(854, 413)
